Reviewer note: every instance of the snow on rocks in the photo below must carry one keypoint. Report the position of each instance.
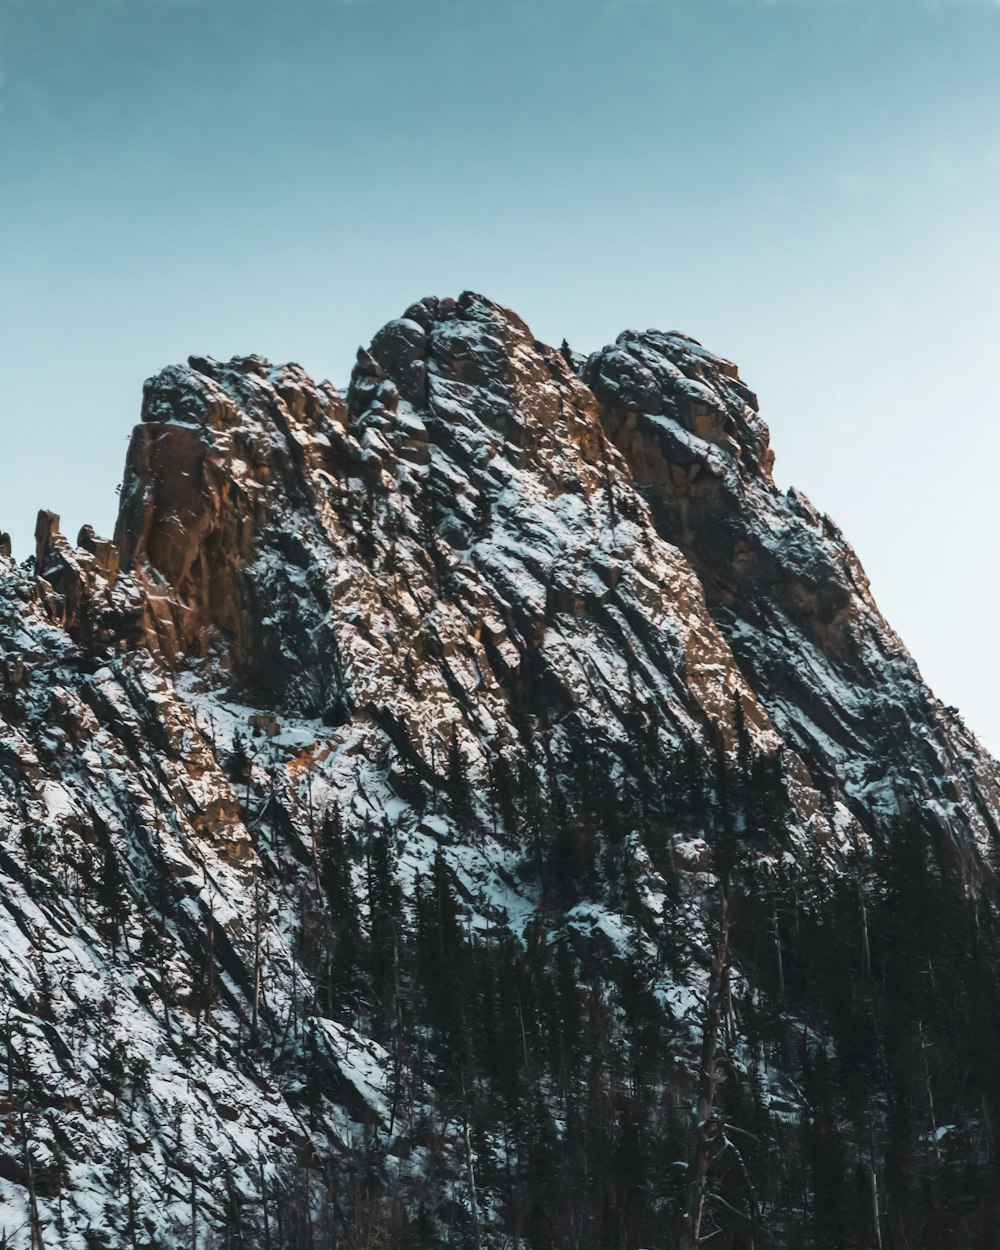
(475, 603)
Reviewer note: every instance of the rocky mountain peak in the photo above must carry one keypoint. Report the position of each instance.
(429, 776)
(670, 384)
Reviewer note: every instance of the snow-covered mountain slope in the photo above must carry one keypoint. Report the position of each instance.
(393, 811)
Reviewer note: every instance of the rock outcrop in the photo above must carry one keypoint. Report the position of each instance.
(366, 806)
(785, 588)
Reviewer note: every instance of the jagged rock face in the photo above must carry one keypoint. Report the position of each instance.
(462, 553)
(222, 472)
(540, 632)
(784, 587)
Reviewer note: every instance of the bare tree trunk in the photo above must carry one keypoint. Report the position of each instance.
(477, 1235)
(130, 1193)
(707, 1129)
(194, 1213)
(312, 830)
(930, 1095)
(874, 1182)
(255, 1022)
(34, 1220)
(511, 1204)
(264, 1199)
(210, 971)
(866, 954)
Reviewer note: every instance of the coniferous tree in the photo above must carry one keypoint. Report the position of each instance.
(343, 944)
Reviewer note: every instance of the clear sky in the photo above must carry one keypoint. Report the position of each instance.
(810, 187)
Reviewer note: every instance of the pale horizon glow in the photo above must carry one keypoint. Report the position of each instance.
(809, 187)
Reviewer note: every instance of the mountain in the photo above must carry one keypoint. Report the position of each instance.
(479, 808)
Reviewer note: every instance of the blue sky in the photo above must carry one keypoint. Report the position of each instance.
(808, 186)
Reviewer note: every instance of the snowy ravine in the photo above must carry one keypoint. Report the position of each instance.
(374, 810)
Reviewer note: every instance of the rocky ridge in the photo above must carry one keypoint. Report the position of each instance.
(532, 637)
